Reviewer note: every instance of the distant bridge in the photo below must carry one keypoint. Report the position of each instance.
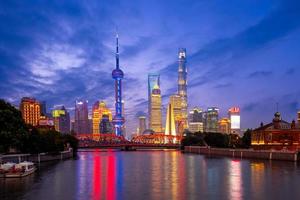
(138, 142)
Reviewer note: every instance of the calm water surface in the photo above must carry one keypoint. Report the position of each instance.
(165, 175)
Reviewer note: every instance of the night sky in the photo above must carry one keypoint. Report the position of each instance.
(240, 53)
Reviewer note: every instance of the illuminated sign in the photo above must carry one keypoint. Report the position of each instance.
(234, 110)
(235, 121)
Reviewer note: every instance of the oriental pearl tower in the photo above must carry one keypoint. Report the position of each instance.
(117, 75)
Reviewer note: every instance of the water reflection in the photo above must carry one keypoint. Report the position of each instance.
(156, 175)
(235, 180)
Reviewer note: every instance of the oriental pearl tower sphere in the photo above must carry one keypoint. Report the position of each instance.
(117, 75)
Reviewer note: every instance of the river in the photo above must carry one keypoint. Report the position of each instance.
(156, 174)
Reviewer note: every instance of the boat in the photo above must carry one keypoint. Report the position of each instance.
(12, 170)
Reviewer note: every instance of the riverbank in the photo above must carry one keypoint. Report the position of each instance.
(244, 153)
(37, 158)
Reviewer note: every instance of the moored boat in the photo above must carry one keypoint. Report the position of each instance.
(12, 170)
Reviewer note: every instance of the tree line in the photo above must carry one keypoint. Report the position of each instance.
(16, 135)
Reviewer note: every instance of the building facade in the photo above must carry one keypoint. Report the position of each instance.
(195, 119)
(224, 125)
(81, 124)
(235, 120)
(156, 113)
(211, 119)
(142, 124)
(99, 109)
(106, 125)
(31, 110)
(61, 118)
(277, 135)
(176, 102)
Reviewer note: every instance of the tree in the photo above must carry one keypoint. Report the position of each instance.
(246, 139)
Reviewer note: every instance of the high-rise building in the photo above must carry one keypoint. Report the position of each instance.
(235, 120)
(142, 124)
(43, 108)
(118, 75)
(99, 109)
(170, 121)
(31, 110)
(81, 125)
(211, 119)
(105, 124)
(176, 102)
(61, 119)
(196, 120)
(155, 113)
(298, 118)
(153, 79)
(224, 125)
(182, 85)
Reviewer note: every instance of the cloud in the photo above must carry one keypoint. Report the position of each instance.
(260, 74)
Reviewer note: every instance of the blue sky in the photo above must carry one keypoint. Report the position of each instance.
(240, 53)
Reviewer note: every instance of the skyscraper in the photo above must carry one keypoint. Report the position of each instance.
(142, 124)
(224, 125)
(31, 110)
(99, 109)
(196, 120)
(176, 102)
(235, 120)
(81, 125)
(153, 79)
(211, 119)
(170, 121)
(61, 119)
(182, 84)
(155, 113)
(117, 75)
(298, 119)
(105, 125)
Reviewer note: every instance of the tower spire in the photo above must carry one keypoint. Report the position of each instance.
(117, 51)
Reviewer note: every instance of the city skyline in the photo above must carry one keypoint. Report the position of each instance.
(62, 61)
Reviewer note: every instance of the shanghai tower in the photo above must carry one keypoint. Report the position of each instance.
(117, 75)
(182, 85)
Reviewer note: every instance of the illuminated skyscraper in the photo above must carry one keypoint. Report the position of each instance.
(196, 120)
(117, 75)
(99, 109)
(224, 125)
(31, 110)
(211, 119)
(105, 125)
(81, 124)
(153, 79)
(155, 113)
(61, 119)
(142, 124)
(235, 120)
(170, 121)
(182, 84)
(298, 119)
(176, 102)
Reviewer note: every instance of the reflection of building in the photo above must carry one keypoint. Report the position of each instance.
(118, 75)
(224, 125)
(153, 79)
(278, 135)
(61, 119)
(99, 109)
(81, 124)
(182, 84)
(170, 121)
(105, 124)
(196, 120)
(176, 102)
(155, 113)
(234, 116)
(142, 124)
(211, 119)
(31, 110)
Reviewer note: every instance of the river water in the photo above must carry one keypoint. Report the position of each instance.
(156, 174)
